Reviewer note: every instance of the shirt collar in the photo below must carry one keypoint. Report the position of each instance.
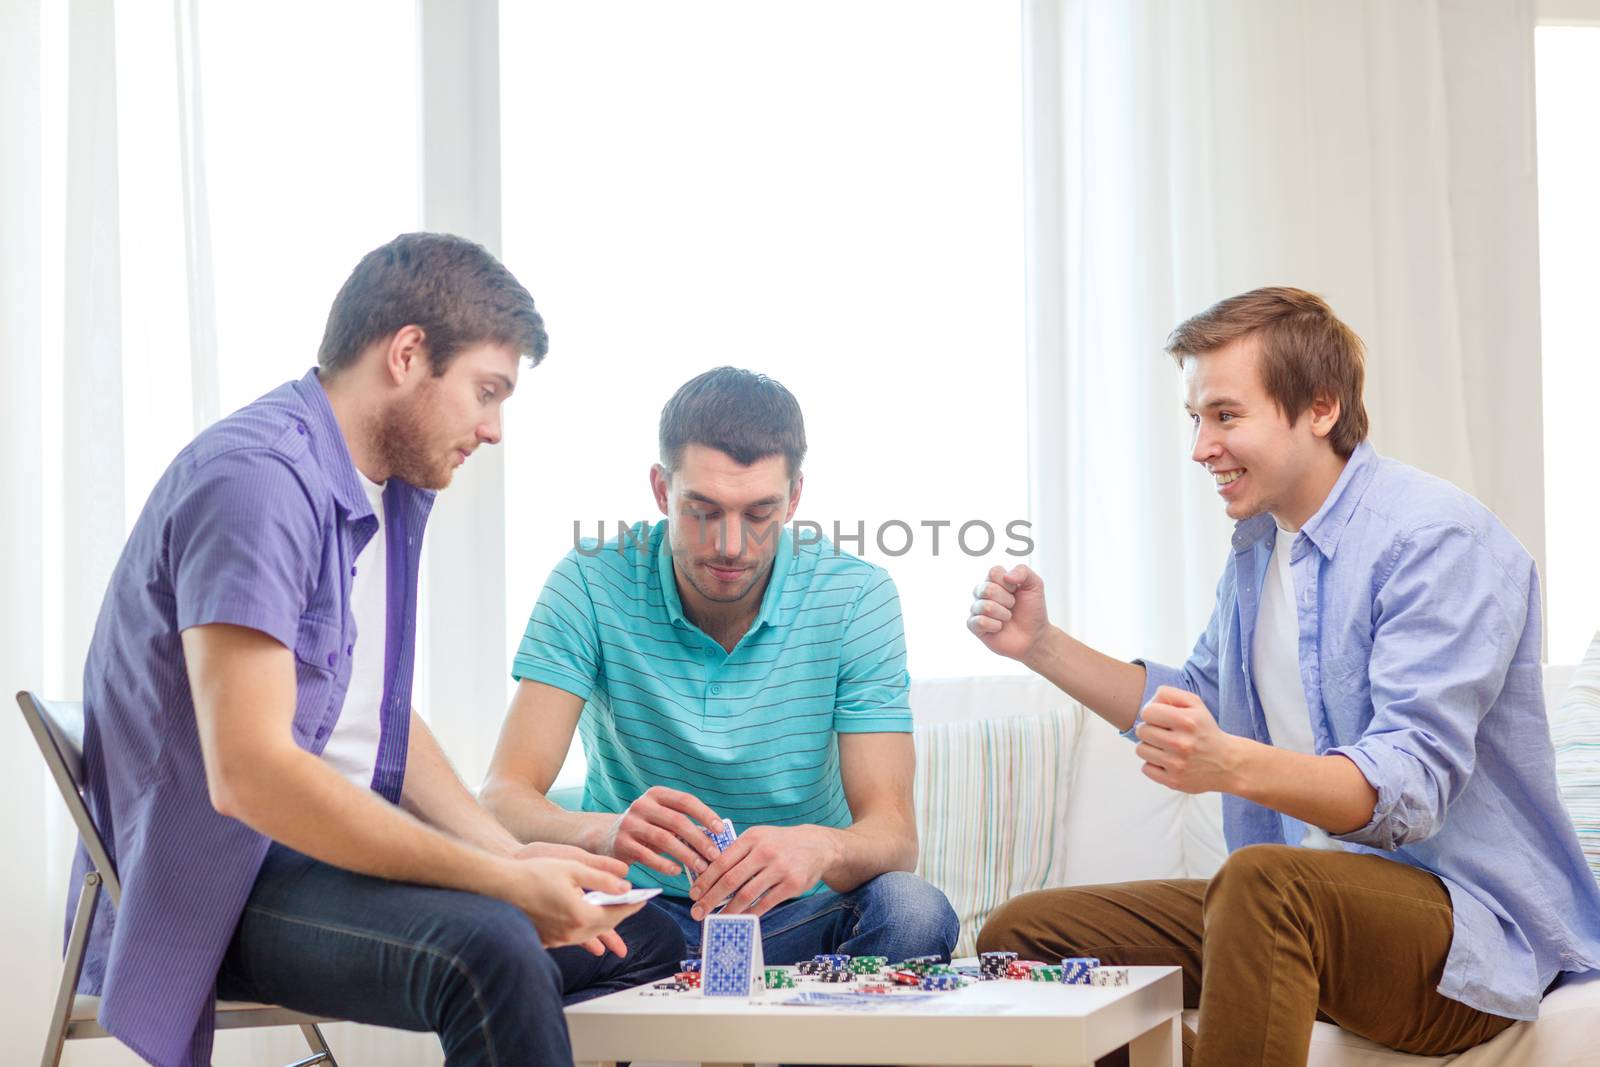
(1328, 524)
(332, 452)
(1325, 527)
(772, 612)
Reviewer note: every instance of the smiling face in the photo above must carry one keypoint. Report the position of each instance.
(432, 427)
(725, 521)
(1260, 461)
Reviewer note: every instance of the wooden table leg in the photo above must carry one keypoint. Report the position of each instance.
(1160, 1046)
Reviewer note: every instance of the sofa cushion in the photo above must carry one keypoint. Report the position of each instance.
(991, 799)
(1575, 731)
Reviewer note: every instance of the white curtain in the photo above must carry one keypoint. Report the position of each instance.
(1378, 153)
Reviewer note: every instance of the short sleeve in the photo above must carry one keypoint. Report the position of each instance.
(874, 689)
(560, 646)
(244, 545)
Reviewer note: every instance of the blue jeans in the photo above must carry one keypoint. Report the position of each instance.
(897, 915)
(469, 968)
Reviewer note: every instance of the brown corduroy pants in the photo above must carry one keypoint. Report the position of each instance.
(1279, 938)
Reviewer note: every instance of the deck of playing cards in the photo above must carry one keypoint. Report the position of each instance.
(731, 945)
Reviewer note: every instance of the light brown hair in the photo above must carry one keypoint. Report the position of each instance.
(1306, 352)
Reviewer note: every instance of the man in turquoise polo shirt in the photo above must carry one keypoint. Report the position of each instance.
(717, 667)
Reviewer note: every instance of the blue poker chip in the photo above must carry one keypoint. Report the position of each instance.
(690, 965)
(941, 982)
(831, 959)
(1086, 961)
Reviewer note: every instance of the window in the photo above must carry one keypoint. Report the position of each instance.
(310, 166)
(831, 195)
(1567, 60)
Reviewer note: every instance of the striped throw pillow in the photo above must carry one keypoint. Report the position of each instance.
(1575, 729)
(991, 809)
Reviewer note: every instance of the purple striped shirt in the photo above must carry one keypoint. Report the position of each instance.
(256, 523)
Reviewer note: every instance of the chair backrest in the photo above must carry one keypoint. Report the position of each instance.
(57, 728)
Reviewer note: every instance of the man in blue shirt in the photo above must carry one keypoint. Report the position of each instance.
(227, 658)
(1367, 697)
(718, 666)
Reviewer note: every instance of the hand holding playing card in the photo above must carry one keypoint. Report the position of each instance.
(660, 824)
(550, 892)
(763, 868)
(610, 940)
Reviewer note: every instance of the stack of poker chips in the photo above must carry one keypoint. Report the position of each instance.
(779, 978)
(1046, 974)
(992, 965)
(1021, 970)
(1109, 976)
(919, 965)
(868, 964)
(836, 974)
(905, 977)
(689, 965)
(942, 982)
(1075, 970)
(687, 980)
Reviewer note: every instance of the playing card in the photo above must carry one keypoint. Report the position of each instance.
(731, 945)
(632, 896)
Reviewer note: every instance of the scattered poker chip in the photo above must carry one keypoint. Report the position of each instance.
(874, 987)
(670, 983)
(690, 965)
(903, 977)
(941, 982)
(1109, 976)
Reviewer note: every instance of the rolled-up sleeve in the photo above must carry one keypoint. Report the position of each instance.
(1446, 623)
(561, 646)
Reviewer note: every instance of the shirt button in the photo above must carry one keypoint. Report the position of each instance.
(716, 689)
(333, 658)
(322, 731)
(352, 572)
(349, 650)
(300, 426)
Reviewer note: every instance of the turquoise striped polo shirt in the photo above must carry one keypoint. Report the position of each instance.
(752, 732)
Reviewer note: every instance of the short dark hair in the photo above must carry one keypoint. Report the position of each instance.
(450, 287)
(1306, 350)
(749, 416)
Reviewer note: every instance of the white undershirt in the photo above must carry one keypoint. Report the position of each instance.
(353, 748)
(1275, 654)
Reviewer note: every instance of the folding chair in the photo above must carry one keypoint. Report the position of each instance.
(57, 726)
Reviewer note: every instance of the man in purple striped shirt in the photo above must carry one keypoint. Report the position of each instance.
(284, 823)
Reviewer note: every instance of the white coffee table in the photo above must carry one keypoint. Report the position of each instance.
(1007, 1023)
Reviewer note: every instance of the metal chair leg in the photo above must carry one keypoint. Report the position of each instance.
(71, 969)
(319, 1045)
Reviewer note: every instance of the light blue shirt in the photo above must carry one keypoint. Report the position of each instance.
(752, 732)
(1419, 653)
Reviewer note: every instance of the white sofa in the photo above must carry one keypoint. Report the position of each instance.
(1120, 826)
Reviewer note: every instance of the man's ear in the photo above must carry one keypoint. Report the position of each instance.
(794, 497)
(1324, 414)
(406, 354)
(660, 486)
